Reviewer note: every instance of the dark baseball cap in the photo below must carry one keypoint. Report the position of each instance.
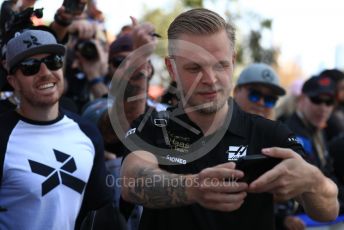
(30, 43)
(260, 73)
(123, 43)
(316, 86)
(335, 74)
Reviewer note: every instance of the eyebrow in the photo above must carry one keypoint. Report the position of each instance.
(221, 62)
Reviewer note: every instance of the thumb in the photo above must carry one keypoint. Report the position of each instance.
(134, 21)
(228, 165)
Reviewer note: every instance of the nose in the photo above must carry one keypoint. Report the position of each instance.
(209, 77)
(43, 68)
(260, 102)
(75, 64)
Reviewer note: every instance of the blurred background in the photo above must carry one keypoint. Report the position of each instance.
(299, 38)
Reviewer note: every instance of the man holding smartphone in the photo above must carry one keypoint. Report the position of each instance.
(177, 166)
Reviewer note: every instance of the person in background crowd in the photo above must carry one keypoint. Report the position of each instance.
(289, 103)
(121, 57)
(170, 96)
(336, 147)
(257, 91)
(87, 64)
(335, 124)
(308, 122)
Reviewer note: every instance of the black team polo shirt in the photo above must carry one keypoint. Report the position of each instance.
(181, 140)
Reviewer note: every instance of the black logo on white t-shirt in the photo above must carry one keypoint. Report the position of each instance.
(53, 175)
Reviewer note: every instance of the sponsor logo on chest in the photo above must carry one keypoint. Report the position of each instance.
(236, 152)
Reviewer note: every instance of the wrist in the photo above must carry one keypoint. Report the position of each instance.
(318, 181)
(191, 186)
(62, 21)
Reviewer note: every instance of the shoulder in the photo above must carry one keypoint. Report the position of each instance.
(271, 129)
(8, 120)
(298, 127)
(248, 121)
(264, 131)
(294, 121)
(153, 121)
(86, 126)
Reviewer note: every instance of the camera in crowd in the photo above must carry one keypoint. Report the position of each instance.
(12, 22)
(87, 49)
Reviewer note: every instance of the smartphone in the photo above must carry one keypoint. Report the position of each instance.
(255, 165)
(74, 6)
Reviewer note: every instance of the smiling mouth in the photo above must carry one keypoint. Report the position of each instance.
(46, 86)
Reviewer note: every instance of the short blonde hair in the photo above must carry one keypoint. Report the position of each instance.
(200, 21)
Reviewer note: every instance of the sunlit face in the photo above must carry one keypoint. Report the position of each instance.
(43, 89)
(116, 60)
(259, 106)
(204, 76)
(316, 114)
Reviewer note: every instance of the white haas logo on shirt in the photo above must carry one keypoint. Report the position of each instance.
(236, 152)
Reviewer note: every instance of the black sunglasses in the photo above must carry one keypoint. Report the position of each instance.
(32, 66)
(318, 100)
(117, 61)
(255, 96)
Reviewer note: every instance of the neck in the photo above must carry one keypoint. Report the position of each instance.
(39, 113)
(209, 123)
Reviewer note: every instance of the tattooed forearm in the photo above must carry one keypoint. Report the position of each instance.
(155, 188)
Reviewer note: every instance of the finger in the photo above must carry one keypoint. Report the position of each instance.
(229, 165)
(224, 197)
(283, 153)
(148, 28)
(220, 173)
(266, 182)
(223, 187)
(134, 21)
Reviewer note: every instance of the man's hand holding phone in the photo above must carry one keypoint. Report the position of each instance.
(291, 177)
(218, 188)
(255, 165)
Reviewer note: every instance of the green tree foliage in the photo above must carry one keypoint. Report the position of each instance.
(161, 20)
(259, 53)
(193, 3)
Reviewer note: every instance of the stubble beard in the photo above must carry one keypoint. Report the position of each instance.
(43, 101)
(208, 108)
